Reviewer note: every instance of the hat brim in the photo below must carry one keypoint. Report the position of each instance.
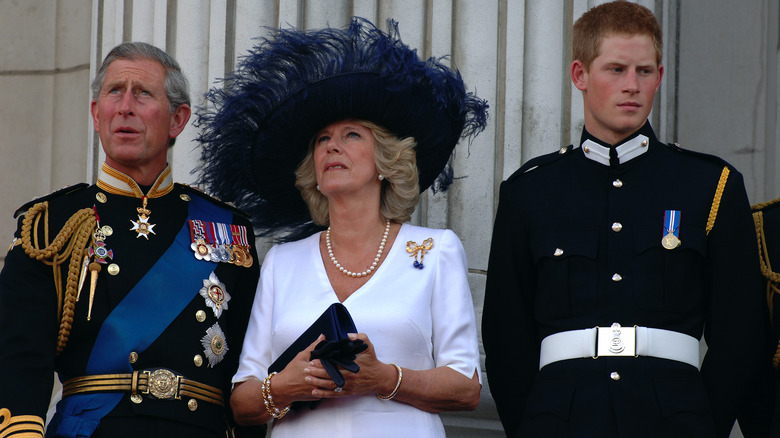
(400, 108)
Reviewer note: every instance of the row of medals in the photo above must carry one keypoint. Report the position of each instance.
(234, 254)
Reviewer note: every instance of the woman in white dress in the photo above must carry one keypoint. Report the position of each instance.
(375, 126)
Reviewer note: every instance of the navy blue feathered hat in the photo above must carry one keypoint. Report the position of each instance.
(257, 128)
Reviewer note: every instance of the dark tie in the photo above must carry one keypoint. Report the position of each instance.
(613, 157)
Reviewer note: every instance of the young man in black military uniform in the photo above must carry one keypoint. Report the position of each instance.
(135, 290)
(626, 250)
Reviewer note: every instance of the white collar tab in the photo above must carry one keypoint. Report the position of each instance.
(626, 151)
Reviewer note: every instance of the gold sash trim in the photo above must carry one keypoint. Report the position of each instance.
(20, 426)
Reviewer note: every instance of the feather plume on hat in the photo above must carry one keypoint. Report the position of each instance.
(256, 129)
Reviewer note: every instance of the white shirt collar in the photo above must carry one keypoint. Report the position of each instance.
(626, 151)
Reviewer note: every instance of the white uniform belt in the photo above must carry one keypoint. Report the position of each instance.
(619, 341)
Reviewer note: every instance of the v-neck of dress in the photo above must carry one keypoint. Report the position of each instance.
(378, 272)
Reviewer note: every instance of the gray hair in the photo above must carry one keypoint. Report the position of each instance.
(176, 85)
(177, 88)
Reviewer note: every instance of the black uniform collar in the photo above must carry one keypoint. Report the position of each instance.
(631, 147)
(118, 183)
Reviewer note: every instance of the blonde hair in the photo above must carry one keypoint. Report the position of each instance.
(615, 18)
(395, 159)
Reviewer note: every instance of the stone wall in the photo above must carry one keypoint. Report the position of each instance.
(719, 94)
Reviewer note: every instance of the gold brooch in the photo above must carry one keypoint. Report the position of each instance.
(414, 250)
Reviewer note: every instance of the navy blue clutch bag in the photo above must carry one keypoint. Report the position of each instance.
(336, 350)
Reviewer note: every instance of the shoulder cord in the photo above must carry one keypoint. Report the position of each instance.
(76, 234)
(716, 202)
(766, 269)
(763, 205)
(773, 278)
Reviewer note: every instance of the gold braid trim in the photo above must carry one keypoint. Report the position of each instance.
(773, 278)
(71, 242)
(21, 426)
(716, 202)
(763, 205)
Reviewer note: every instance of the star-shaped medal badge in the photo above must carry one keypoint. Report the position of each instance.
(143, 227)
(100, 252)
(214, 345)
(215, 294)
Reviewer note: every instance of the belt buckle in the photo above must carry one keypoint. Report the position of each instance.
(615, 341)
(163, 384)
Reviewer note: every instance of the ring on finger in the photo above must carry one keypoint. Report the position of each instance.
(337, 389)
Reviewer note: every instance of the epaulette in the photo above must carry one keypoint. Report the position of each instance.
(213, 199)
(772, 277)
(761, 206)
(540, 161)
(53, 195)
(713, 158)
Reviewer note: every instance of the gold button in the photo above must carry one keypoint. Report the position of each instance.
(586, 149)
(200, 315)
(644, 143)
(614, 375)
(617, 226)
(113, 269)
(101, 197)
(198, 360)
(617, 277)
(133, 357)
(558, 252)
(562, 150)
(136, 398)
(106, 230)
(192, 404)
(185, 197)
(617, 183)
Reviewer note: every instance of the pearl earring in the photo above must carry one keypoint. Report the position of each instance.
(318, 187)
(381, 177)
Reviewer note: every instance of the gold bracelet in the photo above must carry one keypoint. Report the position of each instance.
(268, 400)
(397, 385)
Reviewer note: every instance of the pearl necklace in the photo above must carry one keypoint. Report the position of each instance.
(368, 271)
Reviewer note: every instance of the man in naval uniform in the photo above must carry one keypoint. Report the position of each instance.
(626, 250)
(135, 290)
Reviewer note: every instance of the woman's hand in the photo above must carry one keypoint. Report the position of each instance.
(439, 389)
(374, 375)
(293, 381)
(288, 386)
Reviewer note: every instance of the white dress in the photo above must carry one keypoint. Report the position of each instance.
(417, 318)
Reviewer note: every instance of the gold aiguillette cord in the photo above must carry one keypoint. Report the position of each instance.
(94, 269)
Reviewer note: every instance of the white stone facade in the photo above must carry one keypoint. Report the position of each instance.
(719, 94)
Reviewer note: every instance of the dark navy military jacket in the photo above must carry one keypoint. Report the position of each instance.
(29, 323)
(608, 222)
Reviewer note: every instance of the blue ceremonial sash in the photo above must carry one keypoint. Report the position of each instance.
(134, 324)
